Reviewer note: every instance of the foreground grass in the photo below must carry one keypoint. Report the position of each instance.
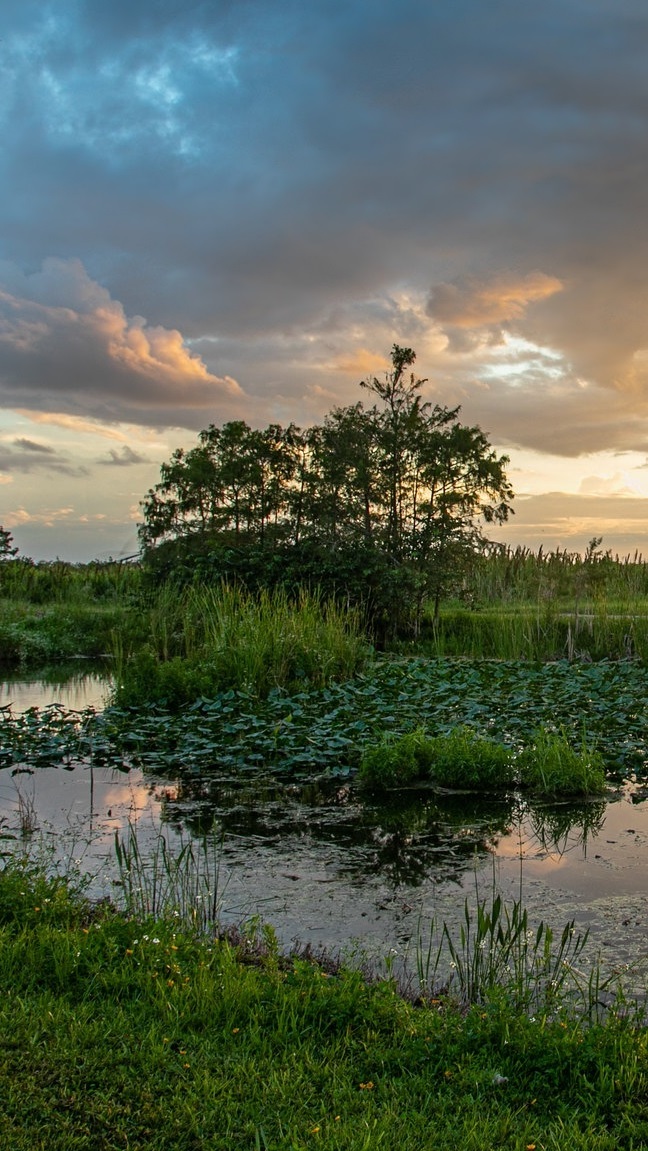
(125, 1034)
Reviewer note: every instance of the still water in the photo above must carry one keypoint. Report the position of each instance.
(327, 866)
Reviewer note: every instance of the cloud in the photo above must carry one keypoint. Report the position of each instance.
(49, 517)
(33, 457)
(124, 459)
(32, 446)
(285, 190)
(573, 519)
(65, 342)
(495, 302)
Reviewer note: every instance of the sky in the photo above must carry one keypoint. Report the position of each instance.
(232, 209)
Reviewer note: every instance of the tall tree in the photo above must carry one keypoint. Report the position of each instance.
(402, 480)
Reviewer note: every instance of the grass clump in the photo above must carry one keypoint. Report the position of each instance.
(496, 955)
(207, 641)
(119, 1032)
(458, 759)
(552, 766)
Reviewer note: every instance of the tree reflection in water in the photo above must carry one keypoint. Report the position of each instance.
(410, 837)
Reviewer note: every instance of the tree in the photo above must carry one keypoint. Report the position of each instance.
(398, 491)
(7, 552)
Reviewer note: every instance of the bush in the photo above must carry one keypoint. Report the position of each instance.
(207, 641)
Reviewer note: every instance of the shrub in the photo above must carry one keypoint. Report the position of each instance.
(206, 641)
(397, 761)
(464, 759)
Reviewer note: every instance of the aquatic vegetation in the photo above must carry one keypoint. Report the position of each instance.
(315, 731)
(496, 954)
(550, 765)
(186, 885)
(209, 640)
(458, 759)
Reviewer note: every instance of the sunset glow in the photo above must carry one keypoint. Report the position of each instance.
(218, 212)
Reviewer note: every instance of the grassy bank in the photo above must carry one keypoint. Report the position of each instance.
(118, 1033)
(59, 611)
(32, 637)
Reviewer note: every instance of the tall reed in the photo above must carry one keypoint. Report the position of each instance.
(544, 632)
(187, 884)
(495, 953)
(208, 640)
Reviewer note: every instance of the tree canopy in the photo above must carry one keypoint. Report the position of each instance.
(7, 552)
(402, 480)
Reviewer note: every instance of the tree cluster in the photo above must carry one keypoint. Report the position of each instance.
(400, 487)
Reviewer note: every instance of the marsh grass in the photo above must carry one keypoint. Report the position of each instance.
(496, 953)
(187, 885)
(33, 636)
(49, 582)
(552, 766)
(458, 759)
(118, 1032)
(542, 632)
(206, 640)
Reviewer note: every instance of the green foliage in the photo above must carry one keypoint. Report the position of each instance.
(32, 637)
(58, 582)
(458, 759)
(7, 552)
(388, 596)
(397, 760)
(57, 611)
(403, 480)
(184, 885)
(506, 575)
(122, 1032)
(552, 766)
(496, 955)
(544, 632)
(327, 729)
(208, 641)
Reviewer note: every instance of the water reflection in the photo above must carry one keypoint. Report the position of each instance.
(75, 686)
(411, 838)
(327, 863)
(567, 826)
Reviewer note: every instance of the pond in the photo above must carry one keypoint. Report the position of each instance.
(328, 866)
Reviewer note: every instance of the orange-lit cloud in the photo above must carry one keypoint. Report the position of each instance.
(363, 362)
(483, 303)
(66, 344)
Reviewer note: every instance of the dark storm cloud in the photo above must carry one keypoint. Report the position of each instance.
(243, 173)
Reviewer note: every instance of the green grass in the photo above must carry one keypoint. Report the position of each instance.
(539, 632)
(552, 766)
(458, 759)
(57, 582)
(118, 1033)
(205, 641)
(34, 636)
